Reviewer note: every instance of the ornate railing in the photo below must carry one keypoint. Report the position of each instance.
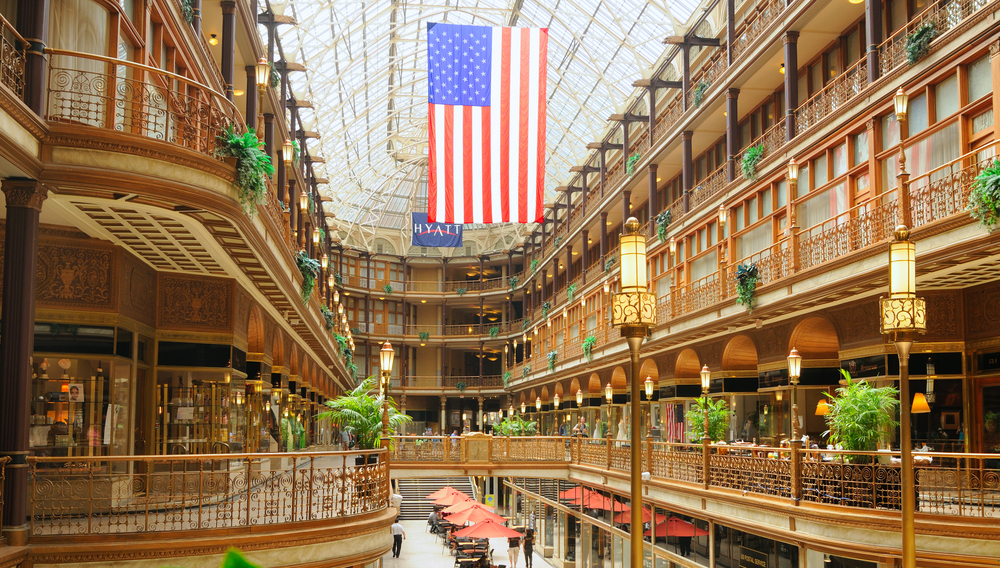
(755, 24)
(947, 484)
(861, 226)
(944, 191)
(834, 97)
(945, 17)
(696, 295)
(708, 188)
(129, 97)
(234, 492)
(12, 59)
(471, 382)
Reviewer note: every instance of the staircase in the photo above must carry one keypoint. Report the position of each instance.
(415, 505)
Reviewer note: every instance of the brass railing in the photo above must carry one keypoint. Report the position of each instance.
(755, 24)
(12, 48)
(946, 16)
(947, 484)
(115, 94)
(235, 492)
(832, 98)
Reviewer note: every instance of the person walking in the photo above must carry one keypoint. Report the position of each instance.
(529, 545)
(513, 550)
(398, 535)
(685, 544)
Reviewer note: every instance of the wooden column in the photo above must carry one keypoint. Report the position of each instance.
(269, 135)
(251, 95)
(790, 39)
(228, 45)
(626, 206)
(685, 73)
(569, 263)
(33, 24)
(730, 29)
(651, 202)
(995, 68)
(293, 204)
(24, 204)
(733, 130)
(195, 17)
(604, 235)
(480, 359)
(687, 172)
(873, 37)
(603, 172)
(584, 257)
(545, 276)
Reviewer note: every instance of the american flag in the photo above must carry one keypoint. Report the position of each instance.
(673, 422)
(486, 123)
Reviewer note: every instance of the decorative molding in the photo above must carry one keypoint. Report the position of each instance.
(194, 336)
(137, 298)
(80, 276)
(24, 193)
(194, 303)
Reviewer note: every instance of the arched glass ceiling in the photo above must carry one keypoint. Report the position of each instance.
(366, 78)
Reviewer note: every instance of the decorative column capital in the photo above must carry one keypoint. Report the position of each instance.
(995, 50)
(732, 93)
(687, 135)
(228, 6)
(27, 193)
(790, 36)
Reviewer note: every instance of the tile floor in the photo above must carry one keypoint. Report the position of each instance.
(422, 549)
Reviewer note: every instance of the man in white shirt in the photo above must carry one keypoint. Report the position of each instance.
(398, 535)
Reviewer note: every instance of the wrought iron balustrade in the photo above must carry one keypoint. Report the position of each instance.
(12, 48)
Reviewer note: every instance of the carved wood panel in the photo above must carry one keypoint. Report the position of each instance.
(195, 303)
(982, 311)
(78, 276)
(137, 296)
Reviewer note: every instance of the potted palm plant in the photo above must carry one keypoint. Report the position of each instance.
(861, 416)
(360, 413)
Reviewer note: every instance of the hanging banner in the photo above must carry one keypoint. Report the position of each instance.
(434, 234)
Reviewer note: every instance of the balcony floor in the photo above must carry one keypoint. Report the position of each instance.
(422, 549)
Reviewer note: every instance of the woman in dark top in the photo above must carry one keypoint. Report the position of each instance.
(513, 550)
(529, 544)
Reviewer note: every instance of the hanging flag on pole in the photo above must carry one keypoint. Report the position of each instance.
(486, 123)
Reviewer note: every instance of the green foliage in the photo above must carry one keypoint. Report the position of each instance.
(275, 76)
(187, 9)
(534, 266)
(360, 413)
(747, 277)
(494, 331)
(861, 416)
(235, 559)
(309, 268)
(525, 371)
(525, 323)
(751, 157)
(515, 426)
(338, 279)
(718, 419)
(570, 290)
(353, 370)
(461, 386)
(328, 317)
(553, 356)
(919, 43)
(662, 222)
(984, 199)
(296, 152)
(630, 164)
(588, 347)
(513, 282)
(425, 335)
(546, 306)
(609, 263)
(253, 167)
(699, 93)
(387, 289)
(345, 348)
(506, 380)
(292, 433)
(460, 291)
(556, 241)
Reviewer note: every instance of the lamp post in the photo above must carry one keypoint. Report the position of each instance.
(386, 356)
(706, 383)
(634, 312)
(263, 72)
(648, 383)
(904, 314)
(794, 372)
(900, 102)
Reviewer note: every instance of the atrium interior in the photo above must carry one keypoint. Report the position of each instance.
(756, 322)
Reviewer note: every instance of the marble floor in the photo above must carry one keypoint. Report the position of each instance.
(422, 549)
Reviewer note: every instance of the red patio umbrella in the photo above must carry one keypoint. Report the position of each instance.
(443, 492)
(463, 505)
(451, 499)
(597, 501)
(488, 529)
(626, 518)
(474, 514)
(576, 493)
(676, 527)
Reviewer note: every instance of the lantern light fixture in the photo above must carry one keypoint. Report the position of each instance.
(336, 295)
(510, 410)
(538, 403)
(723, 215)
(303, 201)
(609, 393)
(287, 152)
(706, 379)
(263, 73)
(607, 286)
(324, 261)
(673, 246)
(523, 407)
(649, 388)
(330, 282)
(633, 258)
(555, 401)
(794, 366)
(793, 170)
(579, 397)
(900, 102)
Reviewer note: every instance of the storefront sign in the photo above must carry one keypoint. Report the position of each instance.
(750, 558)
(435, 234)
(862, 367)
(987, 361)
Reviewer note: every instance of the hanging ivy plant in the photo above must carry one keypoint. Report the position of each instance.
(546, 306)
(309, 268)
(662, 222)
(610, 263)
(506, 380)
(328, 317)
(588, 347)
(513, 282)
(494, 331)
(984, 199)
(275, 78)
(630, 164)
(525, 323)
(553, 355)
(187, 8)
(747, 277)
(570, 290)
(525, 371)
(556, 241)
(461, 386)
(918, 44)
(296, 151)
(353, 370)
(751, 157)
(338, 279)
(534, 266)
(387, 289)
(460, 291)
(345, 347)
(253, 167)
(699, 93)
(424, 336)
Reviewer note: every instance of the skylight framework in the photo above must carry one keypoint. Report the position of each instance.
(367, 81)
